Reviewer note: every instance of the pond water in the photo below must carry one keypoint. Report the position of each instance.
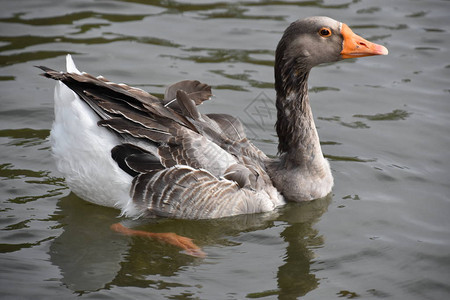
(384, 124)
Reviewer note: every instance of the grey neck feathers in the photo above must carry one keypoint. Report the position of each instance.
(299, 144)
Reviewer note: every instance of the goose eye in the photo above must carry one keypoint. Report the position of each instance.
(325, 32)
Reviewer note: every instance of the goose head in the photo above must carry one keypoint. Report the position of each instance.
(315, 40)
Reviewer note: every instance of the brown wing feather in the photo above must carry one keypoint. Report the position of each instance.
(196, 90)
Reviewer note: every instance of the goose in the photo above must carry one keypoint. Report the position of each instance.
(120, 146)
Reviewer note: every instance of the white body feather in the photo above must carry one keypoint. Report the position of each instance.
(82, 151)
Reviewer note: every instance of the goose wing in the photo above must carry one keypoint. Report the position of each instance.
(185, 164)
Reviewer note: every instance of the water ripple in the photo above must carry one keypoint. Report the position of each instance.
(71, 18)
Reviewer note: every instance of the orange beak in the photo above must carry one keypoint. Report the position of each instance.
(355, 46)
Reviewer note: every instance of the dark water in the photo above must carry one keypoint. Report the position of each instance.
(384, 124)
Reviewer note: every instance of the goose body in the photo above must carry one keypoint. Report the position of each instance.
(122, 147)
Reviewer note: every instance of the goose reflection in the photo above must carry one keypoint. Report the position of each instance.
(92, 257)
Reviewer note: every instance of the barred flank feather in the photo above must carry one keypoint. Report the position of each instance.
(184, 192)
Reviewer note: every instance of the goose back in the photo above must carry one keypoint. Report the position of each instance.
(184, 164)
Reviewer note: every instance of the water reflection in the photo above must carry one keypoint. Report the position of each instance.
(397, 114)
(91, 257)
(87, 252)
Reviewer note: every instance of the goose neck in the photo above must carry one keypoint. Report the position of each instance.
(298, 139)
